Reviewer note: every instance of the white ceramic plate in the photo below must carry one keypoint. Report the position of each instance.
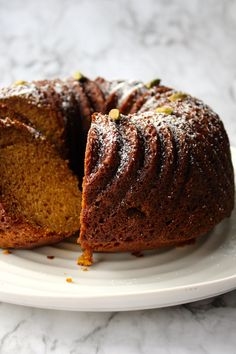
(122, 281)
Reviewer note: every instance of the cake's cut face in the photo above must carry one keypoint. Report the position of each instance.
(157, 178)
(51, 107)
(38, 104)
(38, 191)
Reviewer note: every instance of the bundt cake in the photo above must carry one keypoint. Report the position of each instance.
(156, 164)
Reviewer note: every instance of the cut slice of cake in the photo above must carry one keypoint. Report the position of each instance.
(51, 107)
(40, 199)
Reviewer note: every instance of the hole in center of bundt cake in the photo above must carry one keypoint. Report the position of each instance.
(37, 184)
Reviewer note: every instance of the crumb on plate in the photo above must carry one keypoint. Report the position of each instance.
(69, 280)
(86, 259)
(50, 257)
(6, 252)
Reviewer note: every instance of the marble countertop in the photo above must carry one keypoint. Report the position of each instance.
(190, 45)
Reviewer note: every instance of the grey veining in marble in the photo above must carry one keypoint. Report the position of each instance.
(204, 327)
(190, 45)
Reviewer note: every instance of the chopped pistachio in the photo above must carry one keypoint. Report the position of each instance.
(78, 76)
(164, 109)
(114, 114)
(20, 82)
(155, 82)
(177, 96)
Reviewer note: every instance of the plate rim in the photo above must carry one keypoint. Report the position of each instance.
(195, 291)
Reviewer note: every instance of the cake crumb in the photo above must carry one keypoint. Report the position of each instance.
(6, 252)
(69, 280)
(85, 269)
(50, 257)
(86, 259)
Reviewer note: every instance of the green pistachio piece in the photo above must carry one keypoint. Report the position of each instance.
(78, 76)
(164, 109)
(20, 82)
(177, 96)
(153, 83)
(114, 114)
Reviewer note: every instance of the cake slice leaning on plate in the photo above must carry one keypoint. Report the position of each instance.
(40, 199)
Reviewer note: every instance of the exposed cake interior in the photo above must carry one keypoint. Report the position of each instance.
(36, 183)
(44, 119)
(50, 108)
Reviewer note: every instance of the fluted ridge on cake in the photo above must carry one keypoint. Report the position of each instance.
(160, 192)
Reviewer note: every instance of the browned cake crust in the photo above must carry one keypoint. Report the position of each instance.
(17, 232)
(156, 178)
(159, 175)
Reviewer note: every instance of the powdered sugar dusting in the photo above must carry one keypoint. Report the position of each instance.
(29, 90)
(123, 89)
(186, 114)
